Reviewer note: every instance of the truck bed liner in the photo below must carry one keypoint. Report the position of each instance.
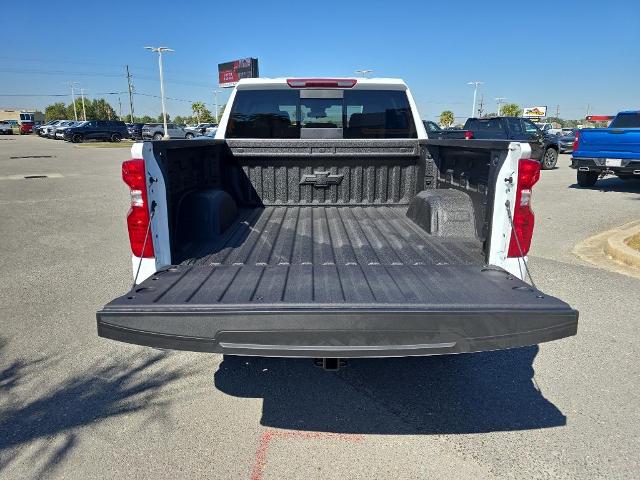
(374, 235)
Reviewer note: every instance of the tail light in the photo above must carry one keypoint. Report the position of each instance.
(576, 140)
(523, 217)
(133, 174)
(468, 135)
(321, 82)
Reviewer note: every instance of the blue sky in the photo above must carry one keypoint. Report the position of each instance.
(567, 53)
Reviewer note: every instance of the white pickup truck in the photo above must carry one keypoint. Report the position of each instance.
(322, 222)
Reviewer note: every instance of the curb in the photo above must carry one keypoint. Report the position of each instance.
(620, 251)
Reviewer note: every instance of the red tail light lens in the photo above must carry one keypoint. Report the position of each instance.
(523, 217)
(321, 82)
(468, 135)
(576, 140)
(133, 174)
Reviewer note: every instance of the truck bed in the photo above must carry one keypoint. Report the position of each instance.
(374, 235)
(334, 281)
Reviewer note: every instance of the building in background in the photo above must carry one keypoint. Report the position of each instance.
(22, 115)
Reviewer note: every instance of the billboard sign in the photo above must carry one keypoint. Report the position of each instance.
(230, 73)
(535, 112)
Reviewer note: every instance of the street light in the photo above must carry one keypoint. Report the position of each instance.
(164, 110)
(500, 101)
(215, 94)
(475, 93)
(84, 110)
(364, 73)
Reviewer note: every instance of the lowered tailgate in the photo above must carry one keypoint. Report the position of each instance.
(335, 310)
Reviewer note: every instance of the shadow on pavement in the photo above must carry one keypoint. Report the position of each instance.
(613, 184)
(29, 411)
(470, 393)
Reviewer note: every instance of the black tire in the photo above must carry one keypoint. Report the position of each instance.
(189, 136)
(549, 159)
(77, 138)
(157, 136)
(587, 179)
(115, 137)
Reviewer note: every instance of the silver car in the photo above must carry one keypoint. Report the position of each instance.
(155, 131)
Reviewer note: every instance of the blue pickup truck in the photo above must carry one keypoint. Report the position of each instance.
(598, 152)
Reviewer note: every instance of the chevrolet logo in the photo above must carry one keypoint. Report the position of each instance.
(321, 179)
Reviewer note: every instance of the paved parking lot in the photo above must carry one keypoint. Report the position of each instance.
(73, 405)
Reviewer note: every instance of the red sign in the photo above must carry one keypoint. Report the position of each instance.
(230, 73)
(599, 118)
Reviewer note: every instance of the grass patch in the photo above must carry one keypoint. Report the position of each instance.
(634, 241)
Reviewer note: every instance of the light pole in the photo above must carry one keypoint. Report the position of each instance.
(475, 93)
(164, 110)
(364, 73)
(215, 94)
(500, 101)
(73, 98)
(84, 111)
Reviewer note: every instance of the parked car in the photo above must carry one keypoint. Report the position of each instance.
(40, 129)
(47, 130)
(301, 232)
(508, 128)
(135, 130)
(201, 128)
(598, 152)
(155, 131)
(6, 128)
(211, 134)
(57, 132)
(26, 128)
(111, 130)
(563, 139)
(431, 127)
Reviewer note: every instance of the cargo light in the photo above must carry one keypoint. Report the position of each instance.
(321, 82)
(133, 174)
(523, 217)
(576, 140)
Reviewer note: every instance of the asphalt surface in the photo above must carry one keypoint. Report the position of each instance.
(73, 405)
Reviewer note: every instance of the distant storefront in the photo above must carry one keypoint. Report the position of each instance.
(22, 115)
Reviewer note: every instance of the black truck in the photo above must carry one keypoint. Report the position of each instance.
(321, 222)
(543, 148)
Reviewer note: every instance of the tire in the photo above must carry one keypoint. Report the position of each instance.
(115, 137)
(587, 179)
(77, 138)
(549, 159)
(189, 136)
(157, 136)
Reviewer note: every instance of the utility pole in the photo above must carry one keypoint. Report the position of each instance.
(481, 107)
(475, 93)
(130, 93)
(120, 106)
(73, 99)
(500, 101)
(84, 110)
(557, 111)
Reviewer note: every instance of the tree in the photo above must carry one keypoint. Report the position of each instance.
(55, 111)
(511, 110)
(201, 112)
(160, 120)
(146, 119)
(101, 110)
(446, 118)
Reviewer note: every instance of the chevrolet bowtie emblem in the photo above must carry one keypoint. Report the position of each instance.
(321, 179)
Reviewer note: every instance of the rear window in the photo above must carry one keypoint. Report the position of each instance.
(489, 126)
(337, 113)
(626, 120)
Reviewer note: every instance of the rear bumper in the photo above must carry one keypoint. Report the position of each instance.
(628, 166)
(338, 334)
